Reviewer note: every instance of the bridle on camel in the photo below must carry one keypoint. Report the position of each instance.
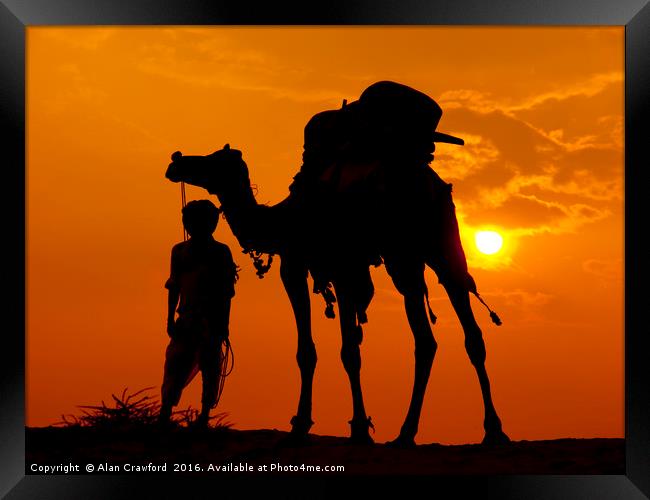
(226, 352)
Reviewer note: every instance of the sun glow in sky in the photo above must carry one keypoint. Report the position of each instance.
(541, 113)
(488, 242)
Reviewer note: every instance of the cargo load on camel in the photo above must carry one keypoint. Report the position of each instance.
(366, 165)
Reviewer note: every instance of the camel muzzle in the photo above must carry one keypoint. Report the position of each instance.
(189, 169)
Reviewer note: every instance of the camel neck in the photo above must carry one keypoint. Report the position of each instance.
(247, 219)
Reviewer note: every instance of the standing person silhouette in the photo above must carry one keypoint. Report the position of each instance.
(201, 287)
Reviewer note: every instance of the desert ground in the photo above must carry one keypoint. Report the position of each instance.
(225, 450)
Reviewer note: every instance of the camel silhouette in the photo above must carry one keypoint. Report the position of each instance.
(365, 194)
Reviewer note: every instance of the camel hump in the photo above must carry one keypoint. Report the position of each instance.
(334, 132)
(323, 130)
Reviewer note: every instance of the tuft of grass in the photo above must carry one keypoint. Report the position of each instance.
(189, 417)
(136, 410)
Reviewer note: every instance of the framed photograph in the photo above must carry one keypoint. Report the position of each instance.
(321, 143)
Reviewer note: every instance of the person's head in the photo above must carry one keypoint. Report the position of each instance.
(200, 218)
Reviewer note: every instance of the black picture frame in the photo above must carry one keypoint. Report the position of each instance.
(16, 15)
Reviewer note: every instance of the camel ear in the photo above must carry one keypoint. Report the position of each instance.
(226, 147)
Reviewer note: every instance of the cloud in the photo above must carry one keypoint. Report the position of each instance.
(607, 270)
(581, 121)
(586, 88)
(522, 298)
(484, 102)
(589, 164)
(460, 162)
(214, 60)
(519, 211)
(528, 166)
(87, 39)
(234, 80)
(520, 305)
(474, 100)
(72, 91)
(516, 141)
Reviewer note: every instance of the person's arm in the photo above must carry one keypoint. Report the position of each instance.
(173, 294)
(172, 302)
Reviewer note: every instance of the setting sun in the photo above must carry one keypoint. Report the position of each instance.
(488, 242)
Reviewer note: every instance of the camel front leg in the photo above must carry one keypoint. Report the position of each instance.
(294, 278)
(475, 347)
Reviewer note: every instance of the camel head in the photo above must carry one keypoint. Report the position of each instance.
(217, 172)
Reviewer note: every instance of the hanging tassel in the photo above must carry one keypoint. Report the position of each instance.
(493, 316)
(328, 294)
(495, 319)
(258, 262)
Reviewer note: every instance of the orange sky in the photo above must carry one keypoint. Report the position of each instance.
(541, 111)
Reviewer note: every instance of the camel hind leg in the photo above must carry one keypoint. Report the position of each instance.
(475, 347)
(351, 336)
(408, 277)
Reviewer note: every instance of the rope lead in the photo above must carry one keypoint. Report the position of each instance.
(227, 365)
(183, 204)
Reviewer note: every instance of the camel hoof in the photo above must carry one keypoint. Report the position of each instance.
(359, 432)
(299, 435)
(359, 439)
(496, 438)
(401, 442)
(300, 425)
